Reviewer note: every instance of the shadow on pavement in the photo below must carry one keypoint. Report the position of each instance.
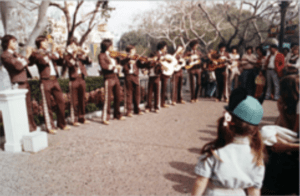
(213, 133)
(212, 126)
(195, 150)
(184, 167)
(184, 183)
(207, 139)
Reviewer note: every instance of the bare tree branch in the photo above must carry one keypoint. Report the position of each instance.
(211, 22)
(34, 8)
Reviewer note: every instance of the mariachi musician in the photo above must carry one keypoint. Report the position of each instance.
(110, 69)
(168, 63)
(131, 65)
(75, 59)
(46, 64)
(155, 67)
(220, 61)
(178, 76)
(17, 67)
(194, 69)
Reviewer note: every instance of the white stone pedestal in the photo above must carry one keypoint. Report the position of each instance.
(15, 119)
(35, 141)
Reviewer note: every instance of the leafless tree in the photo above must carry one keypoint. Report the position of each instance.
(262, 10)
(92, 18)
(179, 22)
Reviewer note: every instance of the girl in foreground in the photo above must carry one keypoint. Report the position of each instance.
(234, 162)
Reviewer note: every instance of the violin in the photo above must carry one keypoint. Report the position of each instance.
(115, 54)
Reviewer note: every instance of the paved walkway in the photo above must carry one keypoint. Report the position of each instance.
(153, 154)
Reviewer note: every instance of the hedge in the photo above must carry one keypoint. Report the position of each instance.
(92, 83)
(94, 97)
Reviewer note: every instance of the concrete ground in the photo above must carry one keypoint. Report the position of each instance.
(153, 154)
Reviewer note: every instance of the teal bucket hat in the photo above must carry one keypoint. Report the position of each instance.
(248, 110)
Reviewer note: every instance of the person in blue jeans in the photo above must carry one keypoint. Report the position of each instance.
(211, 84)
(247, 76)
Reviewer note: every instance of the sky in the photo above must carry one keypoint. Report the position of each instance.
(122, 17)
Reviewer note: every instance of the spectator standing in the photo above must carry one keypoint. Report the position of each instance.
(247, 76)
(293, 61)
(275, 65)
(260, 69)
(282, 170)
(234, 71)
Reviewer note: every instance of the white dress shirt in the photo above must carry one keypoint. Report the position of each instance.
(113, 62)
(49, 61)
(22, 60)
(272, 61)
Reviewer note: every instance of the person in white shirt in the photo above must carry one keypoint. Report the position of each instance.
(293, 61)
(234, 161)
(234, 68)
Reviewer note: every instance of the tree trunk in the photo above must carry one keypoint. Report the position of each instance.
(9, 14)
(85, 36)
(40, 24)
(283, 8)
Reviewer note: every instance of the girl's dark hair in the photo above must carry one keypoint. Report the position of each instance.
(274, 46)
(193, 43)
(161, 45)
(249, 47)
(237, 127)
(261, 49)
(286, 49)
(129, 48)
(233, 47)
(39, 40)
(105, 44)
(5, 41)
(221, 45)
(289, 92)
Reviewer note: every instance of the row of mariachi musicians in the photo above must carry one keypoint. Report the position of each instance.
(159, 66)
(75, 58)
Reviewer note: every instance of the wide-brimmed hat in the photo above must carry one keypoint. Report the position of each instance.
(245, 107)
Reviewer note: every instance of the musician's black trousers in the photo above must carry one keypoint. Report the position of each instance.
(164, 82)
(221, 77)
(195, 73)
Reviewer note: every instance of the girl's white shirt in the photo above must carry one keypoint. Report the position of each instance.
(233, 168)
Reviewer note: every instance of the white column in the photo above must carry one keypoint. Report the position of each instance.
(15, 119)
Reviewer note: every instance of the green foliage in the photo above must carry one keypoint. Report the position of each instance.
(91, 107)
(38, 119)
(92, 83)
(54, 116)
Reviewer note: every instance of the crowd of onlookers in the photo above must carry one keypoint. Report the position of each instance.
(259, 70)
